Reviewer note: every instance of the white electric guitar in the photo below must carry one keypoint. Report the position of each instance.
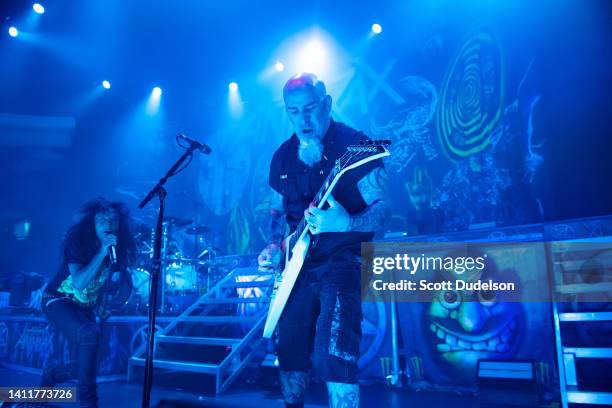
(296, 245)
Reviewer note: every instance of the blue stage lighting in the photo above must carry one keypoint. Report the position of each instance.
(38, 8)
(279, 66)
(376, 28)
(106, 84)
(13, 32)
(154, 101)
(313, 57)
(235, 104)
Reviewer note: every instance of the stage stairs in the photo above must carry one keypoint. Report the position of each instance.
(218, 334)
(568, 258)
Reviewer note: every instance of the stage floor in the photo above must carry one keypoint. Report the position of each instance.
(243, 394)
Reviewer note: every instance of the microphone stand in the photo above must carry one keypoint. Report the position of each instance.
(156, 267)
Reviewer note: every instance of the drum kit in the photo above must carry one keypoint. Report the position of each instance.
(188, 265)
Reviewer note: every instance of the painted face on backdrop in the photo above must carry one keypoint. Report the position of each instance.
(106, 221)
(309, 111)
(466, 326)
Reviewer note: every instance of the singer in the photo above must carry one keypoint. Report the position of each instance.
(97, 250)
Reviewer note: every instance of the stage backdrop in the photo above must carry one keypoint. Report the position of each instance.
(444, 340)
(464, 149)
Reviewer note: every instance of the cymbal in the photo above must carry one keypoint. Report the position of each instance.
(197, 230)
(177, 221)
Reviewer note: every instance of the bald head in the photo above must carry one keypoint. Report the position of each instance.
(305, 81)
(308, 106)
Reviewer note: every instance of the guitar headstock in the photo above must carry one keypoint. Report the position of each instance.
(366, 151)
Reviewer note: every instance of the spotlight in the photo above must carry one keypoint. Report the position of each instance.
(234, 101)
(38, 8)
(279, 66)
(376, 28)
(313, 57)
(106, 84)
(13, 32)
(154, 101)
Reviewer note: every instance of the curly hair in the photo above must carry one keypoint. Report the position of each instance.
(84, 231)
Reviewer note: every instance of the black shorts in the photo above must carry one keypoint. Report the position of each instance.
(323, 317)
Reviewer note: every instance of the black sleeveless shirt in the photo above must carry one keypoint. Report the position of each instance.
(299, 183)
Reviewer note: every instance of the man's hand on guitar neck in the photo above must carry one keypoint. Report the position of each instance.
(333, 219)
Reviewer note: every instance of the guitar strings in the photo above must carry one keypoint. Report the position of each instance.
(343, 161)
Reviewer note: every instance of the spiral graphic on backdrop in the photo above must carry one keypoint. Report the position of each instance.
(470, 102)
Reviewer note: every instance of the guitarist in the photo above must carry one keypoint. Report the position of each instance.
(76, 292)
(323, 313)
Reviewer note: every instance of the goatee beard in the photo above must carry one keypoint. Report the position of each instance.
(310, 152)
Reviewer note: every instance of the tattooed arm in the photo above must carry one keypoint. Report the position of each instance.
(373, 188)
(270, 256)
(277, 225)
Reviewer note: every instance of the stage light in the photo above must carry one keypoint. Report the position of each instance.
(106, 84)
(38, 8)
(234, 101)
(313, 58)
(13, 32)
(279, 66)
(154, 101)
(376, 28)
(312, 50)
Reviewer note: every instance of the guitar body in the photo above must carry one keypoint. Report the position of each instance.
(294, 260)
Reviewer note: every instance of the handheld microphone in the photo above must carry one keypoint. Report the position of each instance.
(204, 148)
(112, 251)
(112, 254)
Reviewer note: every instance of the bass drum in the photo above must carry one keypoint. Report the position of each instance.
(181, 277)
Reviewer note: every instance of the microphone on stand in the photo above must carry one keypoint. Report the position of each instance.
(204, 148)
